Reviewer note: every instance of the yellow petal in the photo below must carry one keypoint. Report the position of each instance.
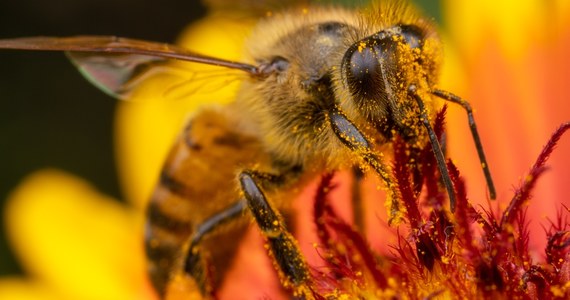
(147, 126)
(79, 241)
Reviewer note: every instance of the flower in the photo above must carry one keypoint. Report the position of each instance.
(509, 60)
(442, 254)
(502, 57)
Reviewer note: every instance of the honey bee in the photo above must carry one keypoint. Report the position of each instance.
(325, 89)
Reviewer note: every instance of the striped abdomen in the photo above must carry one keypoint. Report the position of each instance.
(198, 179)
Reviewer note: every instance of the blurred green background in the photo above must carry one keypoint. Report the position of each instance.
(49, 115)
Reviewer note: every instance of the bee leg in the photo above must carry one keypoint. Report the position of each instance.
(474, 133)
(351, 137)
(436, 147)
(282, 245)
(357, 205)
(194, 264)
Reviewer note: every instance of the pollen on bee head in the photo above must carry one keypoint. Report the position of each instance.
(361, 46)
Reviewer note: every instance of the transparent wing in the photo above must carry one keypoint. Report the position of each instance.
(116, 65)
(192, 82)
(115, 74)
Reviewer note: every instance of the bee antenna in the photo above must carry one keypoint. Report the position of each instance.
(456, 99)
(439, 157)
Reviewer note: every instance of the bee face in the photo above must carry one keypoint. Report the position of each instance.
(377, 70)
(323, 62)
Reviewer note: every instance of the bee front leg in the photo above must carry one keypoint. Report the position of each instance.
(351, 137)
(282, 246)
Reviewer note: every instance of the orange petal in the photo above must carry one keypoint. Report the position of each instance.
(515, 64)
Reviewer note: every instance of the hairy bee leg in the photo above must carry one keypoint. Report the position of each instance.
(282, 245)
(193, 263)
(436, 147)
(474, 133)
(351, 137)
(357, 205)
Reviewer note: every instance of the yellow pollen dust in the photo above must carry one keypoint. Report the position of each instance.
(361, 46)
(557, 291)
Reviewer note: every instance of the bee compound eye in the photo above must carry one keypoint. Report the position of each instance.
(363, 70)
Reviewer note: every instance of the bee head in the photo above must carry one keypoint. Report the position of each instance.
(377, 71)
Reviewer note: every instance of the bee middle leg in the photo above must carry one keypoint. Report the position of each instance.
(282, 245)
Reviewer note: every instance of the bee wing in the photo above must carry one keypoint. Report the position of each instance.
(116, 65)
